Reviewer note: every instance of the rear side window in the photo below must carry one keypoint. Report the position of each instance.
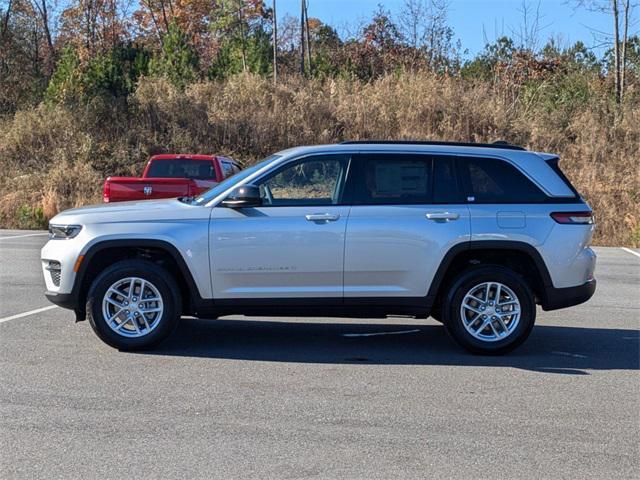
(490, 180)
(446, 188)
(393, 180)
(227, 169)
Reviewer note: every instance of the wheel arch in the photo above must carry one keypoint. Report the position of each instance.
(519, 256)
(104, 253)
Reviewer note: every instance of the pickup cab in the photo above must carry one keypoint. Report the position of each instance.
(170, 176)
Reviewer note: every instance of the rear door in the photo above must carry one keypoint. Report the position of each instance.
(407, 212)
(504, 203)
(292, 246)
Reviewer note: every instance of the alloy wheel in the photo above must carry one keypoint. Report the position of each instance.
(132, 307)
(490, 311)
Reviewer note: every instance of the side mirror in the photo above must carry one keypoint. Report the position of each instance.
(244, 196)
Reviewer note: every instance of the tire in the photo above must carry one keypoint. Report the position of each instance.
(436, 314)
(127, 332)
(491, 337)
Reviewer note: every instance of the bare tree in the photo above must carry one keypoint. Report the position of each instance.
(413, 19)
(621, 12)
(5, 22)
(423, 24)
(43, 9)
(528, 32)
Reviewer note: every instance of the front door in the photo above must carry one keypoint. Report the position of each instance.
(292, 246)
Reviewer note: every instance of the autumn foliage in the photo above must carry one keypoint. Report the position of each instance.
(112, 86)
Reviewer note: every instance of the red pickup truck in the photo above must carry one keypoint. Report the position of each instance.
(167, 176)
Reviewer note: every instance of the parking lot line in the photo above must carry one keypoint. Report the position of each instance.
(375, 334)
(628, 250)
(26, 235)
(26, 314)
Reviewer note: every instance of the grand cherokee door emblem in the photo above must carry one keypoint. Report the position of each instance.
(147, 190)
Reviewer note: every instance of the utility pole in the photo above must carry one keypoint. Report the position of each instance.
(275, 44)
(616, 48)
(306, 24)
(625, 36)
(302, 8)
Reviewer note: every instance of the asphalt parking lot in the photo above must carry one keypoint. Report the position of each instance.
(296, 398)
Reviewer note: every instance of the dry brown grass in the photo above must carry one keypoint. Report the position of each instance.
(53, 158)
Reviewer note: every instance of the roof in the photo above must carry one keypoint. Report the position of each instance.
(186, 156)
(498, 144)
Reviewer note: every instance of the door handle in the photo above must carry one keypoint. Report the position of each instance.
(446, 216)
(322, 217)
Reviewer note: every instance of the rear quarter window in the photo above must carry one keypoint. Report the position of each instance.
(490, 180)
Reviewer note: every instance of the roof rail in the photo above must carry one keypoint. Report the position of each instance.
(498, 144)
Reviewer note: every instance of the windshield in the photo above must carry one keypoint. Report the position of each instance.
(232, 180)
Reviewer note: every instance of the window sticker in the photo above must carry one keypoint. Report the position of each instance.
(398, 179)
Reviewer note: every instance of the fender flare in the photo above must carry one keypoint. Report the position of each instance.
(80, 288)
(479, 245)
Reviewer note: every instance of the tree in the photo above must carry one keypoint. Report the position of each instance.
(241, 39)
(382, 33)
(27, 56)
(621, 14)
(177, 60)
(501, 51)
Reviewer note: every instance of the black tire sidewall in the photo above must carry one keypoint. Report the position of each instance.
(475, 276)
(160, 278)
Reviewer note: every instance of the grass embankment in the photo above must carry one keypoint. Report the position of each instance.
(56, 157)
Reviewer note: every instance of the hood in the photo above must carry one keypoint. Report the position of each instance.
(135, 211)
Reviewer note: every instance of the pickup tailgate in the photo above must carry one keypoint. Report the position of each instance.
(120, 189)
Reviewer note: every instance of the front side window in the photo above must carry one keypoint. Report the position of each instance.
(495, 181)
(393, 179)
(316, 180)
(233, 180)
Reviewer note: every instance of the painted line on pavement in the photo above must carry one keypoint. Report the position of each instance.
(628, 250)
(568, 354)
(26, 314)
(378, 333)
(27, 235)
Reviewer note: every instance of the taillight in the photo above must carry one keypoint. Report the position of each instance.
(573, 218)
(106, 191)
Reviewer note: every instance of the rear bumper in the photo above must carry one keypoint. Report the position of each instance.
(567, 297)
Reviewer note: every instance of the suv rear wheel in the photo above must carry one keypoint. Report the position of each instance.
(133, 305)
(489, 310)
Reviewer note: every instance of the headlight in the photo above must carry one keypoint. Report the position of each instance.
(57, 232)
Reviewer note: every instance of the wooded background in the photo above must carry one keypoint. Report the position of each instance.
(91, 88)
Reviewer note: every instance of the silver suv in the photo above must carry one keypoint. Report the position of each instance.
(474, 235)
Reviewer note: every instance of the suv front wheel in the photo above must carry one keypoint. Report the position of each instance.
(133, 305)
(489, 310)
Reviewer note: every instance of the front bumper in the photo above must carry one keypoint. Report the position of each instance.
(64, 300)
(68, 301)
(557, 298)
